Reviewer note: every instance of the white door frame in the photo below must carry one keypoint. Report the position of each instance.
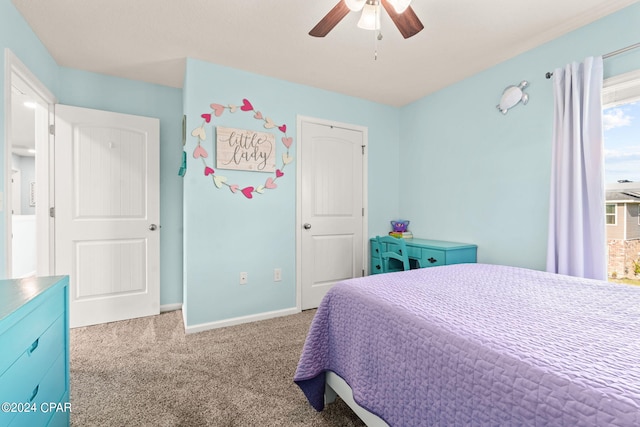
(365, 196)
(14, 68)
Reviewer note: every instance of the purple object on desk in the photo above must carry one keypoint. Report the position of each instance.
(400, 225)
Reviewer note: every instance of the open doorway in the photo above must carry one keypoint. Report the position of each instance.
(28, 226)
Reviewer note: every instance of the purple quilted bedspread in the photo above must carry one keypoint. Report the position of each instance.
(476, 345)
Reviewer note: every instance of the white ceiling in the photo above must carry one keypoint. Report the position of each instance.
(149, 40)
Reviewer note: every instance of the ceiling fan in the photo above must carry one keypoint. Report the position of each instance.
(399, 11)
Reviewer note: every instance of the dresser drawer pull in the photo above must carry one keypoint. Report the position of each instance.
(432, 260)
(34, 393)
(33, 346)
(378, 267)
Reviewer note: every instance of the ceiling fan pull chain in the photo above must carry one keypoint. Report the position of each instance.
(375, 49)
(377, 34)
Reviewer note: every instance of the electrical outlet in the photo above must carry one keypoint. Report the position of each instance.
(243, 278)
(277, 275)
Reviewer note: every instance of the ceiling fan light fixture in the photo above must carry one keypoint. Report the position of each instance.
(406, 22)
(370, 18)
(400, 5)
(355, 5)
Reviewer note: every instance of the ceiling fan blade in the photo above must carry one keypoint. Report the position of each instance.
(330, 20)
(407, 22)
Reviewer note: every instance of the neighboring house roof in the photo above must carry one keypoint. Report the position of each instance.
(631, 195)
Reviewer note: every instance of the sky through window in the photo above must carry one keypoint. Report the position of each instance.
(621, 126)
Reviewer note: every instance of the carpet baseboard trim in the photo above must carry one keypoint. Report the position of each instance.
(170, 307)
(239, 320)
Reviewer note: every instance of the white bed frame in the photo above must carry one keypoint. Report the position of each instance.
(336, 386)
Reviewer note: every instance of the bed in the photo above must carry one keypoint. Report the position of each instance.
(477, 344)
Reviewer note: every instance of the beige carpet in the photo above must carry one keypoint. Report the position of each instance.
(147, 372)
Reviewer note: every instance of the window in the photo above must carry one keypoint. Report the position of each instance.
(621, 126)
(611, 214)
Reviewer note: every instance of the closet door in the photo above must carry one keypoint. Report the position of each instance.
(332, 216)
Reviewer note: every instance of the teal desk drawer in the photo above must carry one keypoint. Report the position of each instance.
(19, 381)
(432, 258)
(24, 332)
(50, 390)
(415, 252)
(461, 255)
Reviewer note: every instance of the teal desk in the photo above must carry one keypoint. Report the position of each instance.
(429, 253)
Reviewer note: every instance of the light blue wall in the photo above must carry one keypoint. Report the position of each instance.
(471, 174)
(91, 90)
(16, 35)
(226, 233)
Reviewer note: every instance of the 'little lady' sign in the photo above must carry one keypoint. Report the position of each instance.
(242, 149)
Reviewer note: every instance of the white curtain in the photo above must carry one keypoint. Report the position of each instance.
(577, 239)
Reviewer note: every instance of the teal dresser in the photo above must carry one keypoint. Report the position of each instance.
(34, 352)
(429, 253)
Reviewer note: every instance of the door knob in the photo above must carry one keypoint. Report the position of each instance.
(307, 226)
(153, 227)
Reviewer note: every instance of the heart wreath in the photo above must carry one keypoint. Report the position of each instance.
(219, 181)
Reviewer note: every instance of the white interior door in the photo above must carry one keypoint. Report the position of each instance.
(331, 207)
(107, 234)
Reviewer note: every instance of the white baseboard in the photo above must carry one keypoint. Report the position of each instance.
(170, 307)
(239, 320)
